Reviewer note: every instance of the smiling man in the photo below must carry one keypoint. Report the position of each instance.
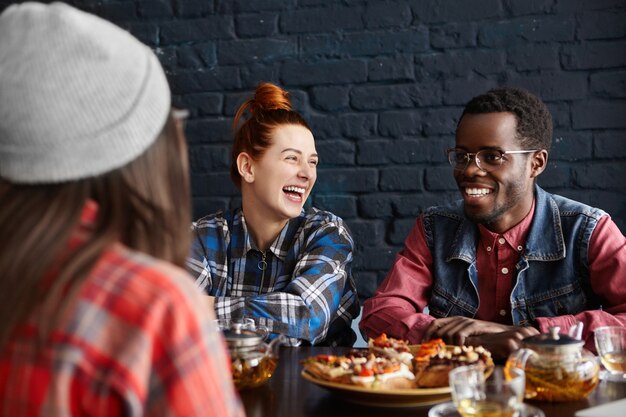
(509, 260)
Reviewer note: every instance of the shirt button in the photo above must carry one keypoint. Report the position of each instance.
(505, 270)
(501, 241)
(519, 248)
(503, 312)
(488, 248)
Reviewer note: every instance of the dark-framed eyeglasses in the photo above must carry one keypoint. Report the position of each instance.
(487, 159)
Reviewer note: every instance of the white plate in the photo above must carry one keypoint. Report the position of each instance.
(449, 410)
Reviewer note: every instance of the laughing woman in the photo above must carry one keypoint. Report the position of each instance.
(271, 260)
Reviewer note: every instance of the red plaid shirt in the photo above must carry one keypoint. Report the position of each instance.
(137, 340)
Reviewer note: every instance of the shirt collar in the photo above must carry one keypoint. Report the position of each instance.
(279, 247)
(81, 233)
(89, 213)
(86, 224)
(515, 236)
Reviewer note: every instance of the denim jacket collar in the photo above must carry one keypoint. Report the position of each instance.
(545, 239)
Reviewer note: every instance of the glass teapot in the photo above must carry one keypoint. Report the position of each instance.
(557, 367)
(252, 360)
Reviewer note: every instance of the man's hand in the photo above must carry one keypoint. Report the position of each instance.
(454, 330)
(499, 339)
(502, 344)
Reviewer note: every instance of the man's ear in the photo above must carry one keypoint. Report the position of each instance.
(539, 162)
(245, 166)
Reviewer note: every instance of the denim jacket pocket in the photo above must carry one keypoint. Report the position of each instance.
(569, 299)
(444, 304)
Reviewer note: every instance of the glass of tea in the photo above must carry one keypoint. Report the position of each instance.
(611, 347)
(499, 395)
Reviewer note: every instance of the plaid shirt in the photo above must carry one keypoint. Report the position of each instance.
(302, 286)
(137, 340)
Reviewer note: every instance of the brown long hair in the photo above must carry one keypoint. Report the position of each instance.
(270, 107)
(145, 205)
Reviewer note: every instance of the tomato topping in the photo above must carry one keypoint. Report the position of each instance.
(429, 349)
(366, 372)
(382, 340)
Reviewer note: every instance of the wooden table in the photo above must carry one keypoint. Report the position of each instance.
(288, 394)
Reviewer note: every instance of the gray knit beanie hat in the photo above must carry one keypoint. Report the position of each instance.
(79, 96)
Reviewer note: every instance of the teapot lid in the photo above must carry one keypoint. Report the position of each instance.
(238, 336)
(554, 340)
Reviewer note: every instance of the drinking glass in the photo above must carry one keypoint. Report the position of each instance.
(245, 323)
(449, 410)
(501, 395)
(611, 347)
(225, 324)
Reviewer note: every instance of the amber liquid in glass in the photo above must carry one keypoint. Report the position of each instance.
(614, 361)
(485, 408)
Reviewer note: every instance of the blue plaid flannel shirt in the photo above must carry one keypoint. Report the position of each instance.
(306, 291)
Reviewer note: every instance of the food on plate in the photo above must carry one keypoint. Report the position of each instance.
(330, 368)
(390, 363)
(429, 349)
(392, 348)
(434, 360)
(362, 368)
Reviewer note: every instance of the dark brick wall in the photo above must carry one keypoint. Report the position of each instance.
(383, 84)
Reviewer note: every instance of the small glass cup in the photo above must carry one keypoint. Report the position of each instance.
(501, 395)
(449, 410)
(225, 324)
(245, 323)
(611, 346)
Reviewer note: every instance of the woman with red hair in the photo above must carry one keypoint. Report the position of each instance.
(287, 267)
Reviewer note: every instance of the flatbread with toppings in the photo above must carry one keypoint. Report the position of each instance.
(434, 360)
(362, 368)
(330, 368)
(392, 348)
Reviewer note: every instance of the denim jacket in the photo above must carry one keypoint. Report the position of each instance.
(552, 275)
